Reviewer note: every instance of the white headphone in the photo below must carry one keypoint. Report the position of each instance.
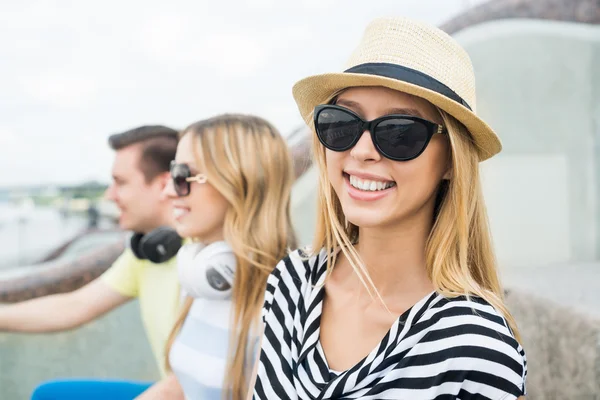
(206, 271)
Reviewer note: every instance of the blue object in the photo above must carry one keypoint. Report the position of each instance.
(89, 389)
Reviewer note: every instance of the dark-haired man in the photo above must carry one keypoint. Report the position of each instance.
(140, 172)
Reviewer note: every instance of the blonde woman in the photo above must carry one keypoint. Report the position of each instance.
(231, 185)
(399, 297)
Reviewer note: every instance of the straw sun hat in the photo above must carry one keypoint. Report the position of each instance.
(411, 57)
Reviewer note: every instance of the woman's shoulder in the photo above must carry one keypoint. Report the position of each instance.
(468, 310)
(470, 334)
(302, 266)
(293, 275)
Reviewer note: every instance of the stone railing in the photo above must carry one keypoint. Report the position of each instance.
(583, 11)
(57, 276)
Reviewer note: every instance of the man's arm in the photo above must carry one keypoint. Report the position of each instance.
(61, 312)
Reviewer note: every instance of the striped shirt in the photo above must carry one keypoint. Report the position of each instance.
(199, 353)
(441, 348)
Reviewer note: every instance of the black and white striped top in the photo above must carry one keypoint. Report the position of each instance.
(441, 348)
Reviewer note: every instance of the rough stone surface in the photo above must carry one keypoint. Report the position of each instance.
(583, 11)
(562, 348)
(557, 309)
(58, 277)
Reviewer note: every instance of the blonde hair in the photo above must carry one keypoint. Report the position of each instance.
(248, 162)
(459, 254)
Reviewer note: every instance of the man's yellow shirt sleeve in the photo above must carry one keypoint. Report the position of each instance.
(124, 275)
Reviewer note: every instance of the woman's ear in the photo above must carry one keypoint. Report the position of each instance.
(164, 181)
(448, 175)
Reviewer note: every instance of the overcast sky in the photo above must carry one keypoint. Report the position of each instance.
(73, 72)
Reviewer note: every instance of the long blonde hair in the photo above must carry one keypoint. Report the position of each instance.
(460, 258)
(248, 162)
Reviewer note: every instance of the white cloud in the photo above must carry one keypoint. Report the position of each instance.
(261, 4)
(9, 140)
(160, 34)
(234, 54)
(324, 5)
(60, 90)
(176, 39)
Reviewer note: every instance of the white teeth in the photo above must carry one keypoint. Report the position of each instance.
(178, 212)
(368, 185)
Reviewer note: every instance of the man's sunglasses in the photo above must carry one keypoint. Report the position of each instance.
(182, 178)
(397, 137)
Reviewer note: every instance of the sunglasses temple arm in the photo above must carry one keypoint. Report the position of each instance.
(200, 178)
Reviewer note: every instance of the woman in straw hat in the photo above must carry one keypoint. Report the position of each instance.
(400, 297)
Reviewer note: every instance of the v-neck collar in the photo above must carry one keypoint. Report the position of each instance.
(312, 343)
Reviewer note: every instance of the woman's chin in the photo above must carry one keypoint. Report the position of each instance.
(184, 230)
(365, 218)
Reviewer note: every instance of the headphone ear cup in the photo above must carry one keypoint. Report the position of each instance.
(134, 244)
(160, 245)
(215, 270)
(188, 252)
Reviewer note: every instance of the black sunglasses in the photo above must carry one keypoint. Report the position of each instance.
(397, 137)
(182, 178)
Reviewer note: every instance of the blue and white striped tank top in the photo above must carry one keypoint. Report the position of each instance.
(199, 353)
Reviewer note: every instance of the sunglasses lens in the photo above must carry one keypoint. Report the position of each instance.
(337, 130)
(179, 175)
(401, 139)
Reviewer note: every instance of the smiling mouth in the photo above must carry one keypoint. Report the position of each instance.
(179, 212)
(369, 185)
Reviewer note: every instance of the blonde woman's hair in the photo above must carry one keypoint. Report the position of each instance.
(460, 258)
(248, 162)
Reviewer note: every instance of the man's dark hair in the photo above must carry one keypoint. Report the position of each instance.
(159, 145)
